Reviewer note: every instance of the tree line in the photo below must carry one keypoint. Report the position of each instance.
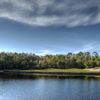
(24, 61)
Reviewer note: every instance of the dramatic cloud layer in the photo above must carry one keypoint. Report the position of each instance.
(67, 13)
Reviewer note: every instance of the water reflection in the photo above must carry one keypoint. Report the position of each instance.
(30, 76)
(49, 89)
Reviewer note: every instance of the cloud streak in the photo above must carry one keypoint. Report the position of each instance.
(67, 13)
(45, 52)
(89, 47)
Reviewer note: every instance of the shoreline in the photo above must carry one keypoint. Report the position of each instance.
(50, 72)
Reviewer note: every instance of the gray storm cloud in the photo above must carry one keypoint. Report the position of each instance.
(67, 13)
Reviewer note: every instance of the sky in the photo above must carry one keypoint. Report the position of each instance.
(49, 26)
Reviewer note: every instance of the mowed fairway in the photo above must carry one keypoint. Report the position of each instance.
(94, 70)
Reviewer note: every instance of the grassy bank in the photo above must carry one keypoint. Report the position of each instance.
(54, 72)
(95, 70)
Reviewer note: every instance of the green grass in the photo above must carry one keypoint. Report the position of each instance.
(60, 70)
(57, 72)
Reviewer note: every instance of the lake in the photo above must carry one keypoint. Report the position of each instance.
(50, 89)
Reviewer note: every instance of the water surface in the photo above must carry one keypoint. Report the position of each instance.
(50, 89)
